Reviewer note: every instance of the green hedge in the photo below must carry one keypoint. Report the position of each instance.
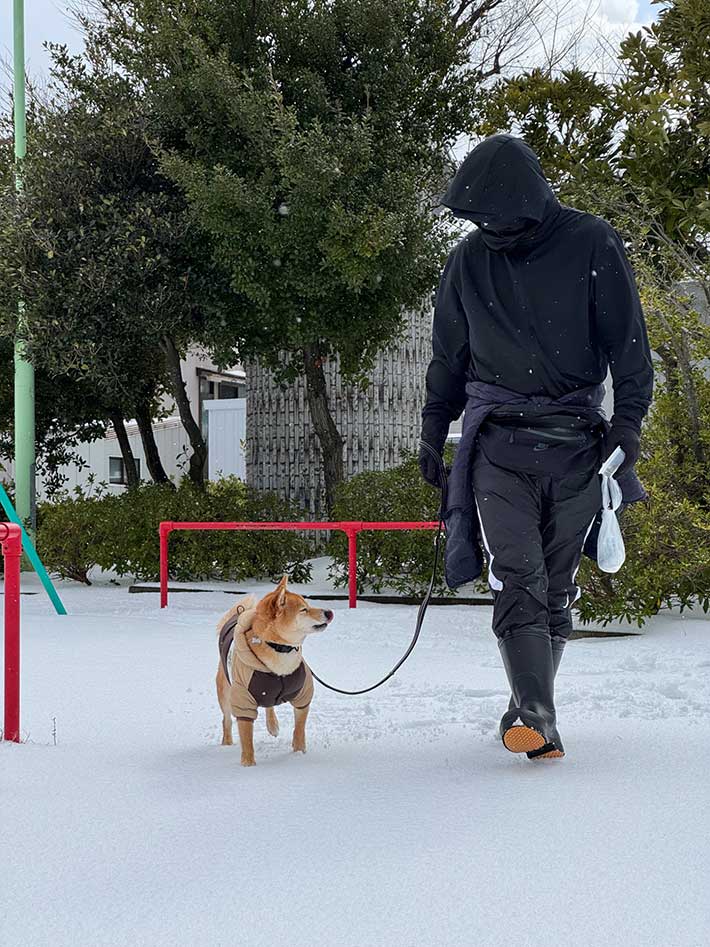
(667, 563)
(119, 532)
(397, 559)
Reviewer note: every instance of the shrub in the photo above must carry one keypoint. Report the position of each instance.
(667, 539)
(119, 532)
(70, 533)
(398, 559)
(667, 563)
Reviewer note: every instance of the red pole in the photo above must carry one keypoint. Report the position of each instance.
(350, 527)
(164, 531)
(352, 566)
(11, 541)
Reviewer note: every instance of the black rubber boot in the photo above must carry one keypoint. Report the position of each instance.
(529, 726)
(558, 647)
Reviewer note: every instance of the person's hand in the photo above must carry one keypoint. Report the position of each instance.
(626, 436)
(435, 429)
(430, 464)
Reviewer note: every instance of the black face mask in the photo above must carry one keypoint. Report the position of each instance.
(499, 235)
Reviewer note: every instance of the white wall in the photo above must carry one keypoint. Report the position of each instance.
(195, 362)
(170, 438)
(227, 431)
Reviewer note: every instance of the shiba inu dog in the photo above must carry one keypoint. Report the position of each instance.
(266, 666)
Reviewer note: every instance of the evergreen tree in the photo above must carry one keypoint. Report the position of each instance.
(310, 140)
(97, 248)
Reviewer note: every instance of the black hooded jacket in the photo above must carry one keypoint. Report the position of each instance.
(540, 298)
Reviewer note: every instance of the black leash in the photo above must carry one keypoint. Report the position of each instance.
(425, 602)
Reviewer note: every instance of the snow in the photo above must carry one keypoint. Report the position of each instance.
(407, 824)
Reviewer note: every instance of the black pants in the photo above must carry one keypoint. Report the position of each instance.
(535, 513)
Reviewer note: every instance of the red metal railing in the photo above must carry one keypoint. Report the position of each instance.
(11, 543)
(350, 527)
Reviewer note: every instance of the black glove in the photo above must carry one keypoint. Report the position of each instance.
(434, 433)
(623, 434)
(429, 465)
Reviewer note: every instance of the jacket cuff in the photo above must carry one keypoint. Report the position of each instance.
(621, 419)
(435, 429)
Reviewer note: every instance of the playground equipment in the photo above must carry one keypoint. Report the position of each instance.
(25, 492)
(11, 543)
(350, 527)
(31, 553)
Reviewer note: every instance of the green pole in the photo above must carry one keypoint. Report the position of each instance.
(31, 553)
(24, 372)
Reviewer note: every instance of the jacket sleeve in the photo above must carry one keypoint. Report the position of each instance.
(447, 373)
(621, 328)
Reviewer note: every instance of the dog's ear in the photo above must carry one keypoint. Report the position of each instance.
(280, 593)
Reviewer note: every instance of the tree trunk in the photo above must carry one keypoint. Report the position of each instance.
(198, 459)
(129, 461)
(331, 443)
(150, 448)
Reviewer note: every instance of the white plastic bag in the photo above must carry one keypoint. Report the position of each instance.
(610, 544)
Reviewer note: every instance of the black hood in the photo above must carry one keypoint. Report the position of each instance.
(501, 187)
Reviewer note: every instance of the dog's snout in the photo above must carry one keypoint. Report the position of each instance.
(328, 614)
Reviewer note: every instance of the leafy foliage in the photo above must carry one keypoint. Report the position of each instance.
(119, 533)
(309, 141)
(667, 539)
(401, 560)
(72, 531)
(97, 248)
(65, 415)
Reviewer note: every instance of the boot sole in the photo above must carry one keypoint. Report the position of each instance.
(553, 754)
(522, 739)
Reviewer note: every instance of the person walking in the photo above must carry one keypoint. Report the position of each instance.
(533, 307)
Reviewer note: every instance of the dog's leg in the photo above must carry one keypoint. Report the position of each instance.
(299, 731)
(246, 738)
(223, 690)
(272, 722)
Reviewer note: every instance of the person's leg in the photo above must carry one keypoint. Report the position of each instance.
(569, 508)
(509, 510)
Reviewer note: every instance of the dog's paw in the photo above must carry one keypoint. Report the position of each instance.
(248, 761)
(299, 746)
(272, 722)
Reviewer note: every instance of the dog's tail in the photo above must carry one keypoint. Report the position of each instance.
(227, 624)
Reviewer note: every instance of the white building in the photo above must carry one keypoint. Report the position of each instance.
(208, 390)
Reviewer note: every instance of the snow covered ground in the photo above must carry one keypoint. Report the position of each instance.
(406, 824)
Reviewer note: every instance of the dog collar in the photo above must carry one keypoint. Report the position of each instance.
(282, 648)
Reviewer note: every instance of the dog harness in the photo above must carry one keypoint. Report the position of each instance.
(254, 685)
